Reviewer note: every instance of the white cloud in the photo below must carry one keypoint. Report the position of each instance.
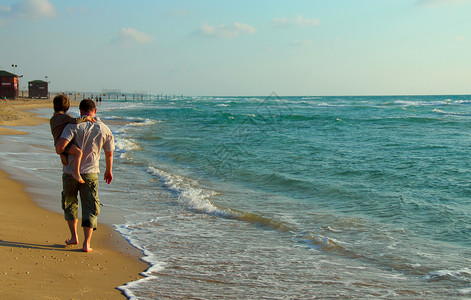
(244, 28)
(297, 20)
(224, 31)
(459, 38)
(33, 9)
(435, 3)
(131, 37)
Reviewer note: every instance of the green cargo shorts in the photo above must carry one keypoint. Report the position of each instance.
(88, 198)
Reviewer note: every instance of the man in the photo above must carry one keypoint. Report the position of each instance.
(91, 138)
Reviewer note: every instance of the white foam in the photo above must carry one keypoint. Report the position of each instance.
(334, 230)
(450, 113)
(431, 103)
(123, 145)
(149, 257)
(187, 191)
(447, 273)
(126, 230)
(319, 242)
(134, 121)
(250, 115)
(119, 106)
(144, 122)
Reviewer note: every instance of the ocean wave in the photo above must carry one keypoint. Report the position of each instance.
(462, 101)
(431, 103)
(259, 220)
(124, 146)
(448, 274)
(312, 103)
(405, 119)
(311, 98)
(420, 103)
(187, 191)
(450, 113)
(198, 199)
(119, 105)
(319, 242)
(132, 121)
(144, 122)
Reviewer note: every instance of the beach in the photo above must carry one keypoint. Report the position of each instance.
(36, 263)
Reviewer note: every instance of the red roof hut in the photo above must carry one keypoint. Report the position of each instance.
(8, 85)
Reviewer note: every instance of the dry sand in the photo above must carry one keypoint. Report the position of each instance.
(35, 262)
(15, 113)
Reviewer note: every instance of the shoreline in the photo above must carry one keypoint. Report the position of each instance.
(36, 263)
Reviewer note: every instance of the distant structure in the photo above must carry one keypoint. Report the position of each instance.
(38, 89)
(9, 86)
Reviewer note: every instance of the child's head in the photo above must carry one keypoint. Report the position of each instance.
(61, 103)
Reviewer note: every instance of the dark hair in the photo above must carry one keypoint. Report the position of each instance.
(61, 103)
(87, 105)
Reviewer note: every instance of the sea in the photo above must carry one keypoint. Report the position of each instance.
(279, 197)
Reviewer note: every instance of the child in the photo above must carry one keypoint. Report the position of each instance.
(58, 123)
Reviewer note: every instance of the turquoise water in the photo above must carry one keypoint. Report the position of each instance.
(287, 197)
(280, 197)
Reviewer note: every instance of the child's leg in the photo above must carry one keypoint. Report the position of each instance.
(74, 150)
(64, 160)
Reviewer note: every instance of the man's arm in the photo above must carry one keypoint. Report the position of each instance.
(109, 166)
(61, 144)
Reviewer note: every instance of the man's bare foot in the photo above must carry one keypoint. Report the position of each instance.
(71, 242)
(87, 249)
(64, 160)
(78, 178)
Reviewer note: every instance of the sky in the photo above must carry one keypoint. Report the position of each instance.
(240, 48)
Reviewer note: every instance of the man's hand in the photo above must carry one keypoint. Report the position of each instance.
(109, 166)
(108, 177)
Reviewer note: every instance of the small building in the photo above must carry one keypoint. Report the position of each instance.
(9, 86)
(38, 89)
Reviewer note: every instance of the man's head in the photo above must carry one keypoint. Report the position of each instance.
(61, 103)
(87, 107)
